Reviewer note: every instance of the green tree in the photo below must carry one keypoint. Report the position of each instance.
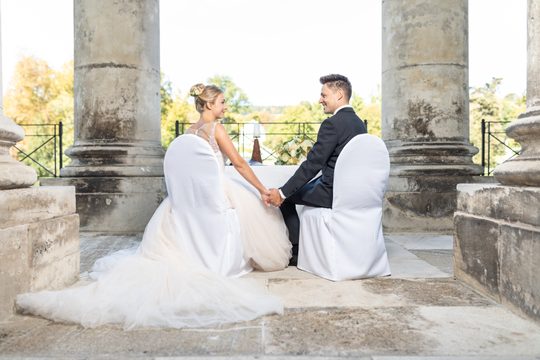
(37, 98)
(486, 105)
(369, 112)
(294, 132)
(174, 107)
(237, 101)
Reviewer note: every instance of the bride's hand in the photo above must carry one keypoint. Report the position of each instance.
(265, 196)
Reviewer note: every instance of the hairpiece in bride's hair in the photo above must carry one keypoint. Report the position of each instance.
(196, 90)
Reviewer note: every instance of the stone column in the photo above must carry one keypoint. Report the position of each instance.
(117, 157)
(39, 230)
(497, 226)
(525, 169)
(425, 111)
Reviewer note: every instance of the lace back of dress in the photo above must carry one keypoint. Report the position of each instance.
(207, 132)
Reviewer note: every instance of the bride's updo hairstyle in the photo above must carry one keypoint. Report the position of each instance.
(204, 94)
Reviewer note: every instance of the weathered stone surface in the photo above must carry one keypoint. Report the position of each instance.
(436, 319)
(476, 253)
(54, 254)
(418, 211)
(23, 206)
(358, 332)
(520, 262)
(62, 340)
(508, 203)
(116, 90)
(497, 243)
(425, 112)
(115, 205)
(39, 241)
(382, 292)
(13, 174)
(14, 267)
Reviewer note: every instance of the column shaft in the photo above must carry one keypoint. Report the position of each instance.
(117, 157)
(117, 80)
(425, 111)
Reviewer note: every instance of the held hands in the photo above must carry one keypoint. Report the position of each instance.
(275, 198)
(271, 197)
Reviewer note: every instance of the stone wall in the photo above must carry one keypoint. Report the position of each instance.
(39, 242)
(497, 243)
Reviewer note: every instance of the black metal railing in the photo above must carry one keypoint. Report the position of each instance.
(50, 140)
(239, 134)
(50, 146)
(493, 138)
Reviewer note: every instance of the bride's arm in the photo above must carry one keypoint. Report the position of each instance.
(227, 147)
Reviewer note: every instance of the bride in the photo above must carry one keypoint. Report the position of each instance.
(159, 283)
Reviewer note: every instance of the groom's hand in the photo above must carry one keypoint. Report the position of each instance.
(275, 198)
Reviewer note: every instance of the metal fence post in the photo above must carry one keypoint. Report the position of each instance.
(60, 147)
(484, 147)
(176, 128)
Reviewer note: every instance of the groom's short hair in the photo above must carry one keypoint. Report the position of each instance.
(338, 81)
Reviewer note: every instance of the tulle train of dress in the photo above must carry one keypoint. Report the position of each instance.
(153, 285)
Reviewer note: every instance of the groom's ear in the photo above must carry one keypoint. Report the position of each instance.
(340, 93)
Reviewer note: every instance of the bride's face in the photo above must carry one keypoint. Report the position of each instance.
(219, 107)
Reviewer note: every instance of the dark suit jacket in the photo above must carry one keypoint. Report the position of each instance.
(334, 134)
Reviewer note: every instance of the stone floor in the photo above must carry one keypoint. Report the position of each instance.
(419, 312)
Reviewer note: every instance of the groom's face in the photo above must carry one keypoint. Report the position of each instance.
(329, 99)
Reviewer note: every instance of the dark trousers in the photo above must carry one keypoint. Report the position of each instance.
(311, 194)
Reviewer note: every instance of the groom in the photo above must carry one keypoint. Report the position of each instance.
(335, 132)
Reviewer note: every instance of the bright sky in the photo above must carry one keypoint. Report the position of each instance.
(275, 50)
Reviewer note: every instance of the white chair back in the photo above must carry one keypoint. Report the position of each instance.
(204, 223)
(347, 242)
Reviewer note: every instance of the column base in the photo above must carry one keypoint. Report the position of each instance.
(115, 205)
(39, 242)
(497, 243)
(422, 203)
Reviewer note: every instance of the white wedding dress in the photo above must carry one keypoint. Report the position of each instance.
(161, 283)
(263, 231)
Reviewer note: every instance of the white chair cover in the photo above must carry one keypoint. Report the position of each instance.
(346, 242)
(203, 220)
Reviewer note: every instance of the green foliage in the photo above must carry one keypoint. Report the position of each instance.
(237, 100)
(499, 112)
(41, 96)
(296, 124)
(370, 112)
(174, 107)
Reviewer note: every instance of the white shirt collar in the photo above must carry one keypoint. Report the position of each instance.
(342, 107)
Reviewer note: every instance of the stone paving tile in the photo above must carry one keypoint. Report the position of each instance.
(306, 293)
(50, 339)
(340, 332)
(441, 259)
(94, 247)
(404, 264)
(432, 292)
(422, 241)
(423, 331)
(492, 330)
